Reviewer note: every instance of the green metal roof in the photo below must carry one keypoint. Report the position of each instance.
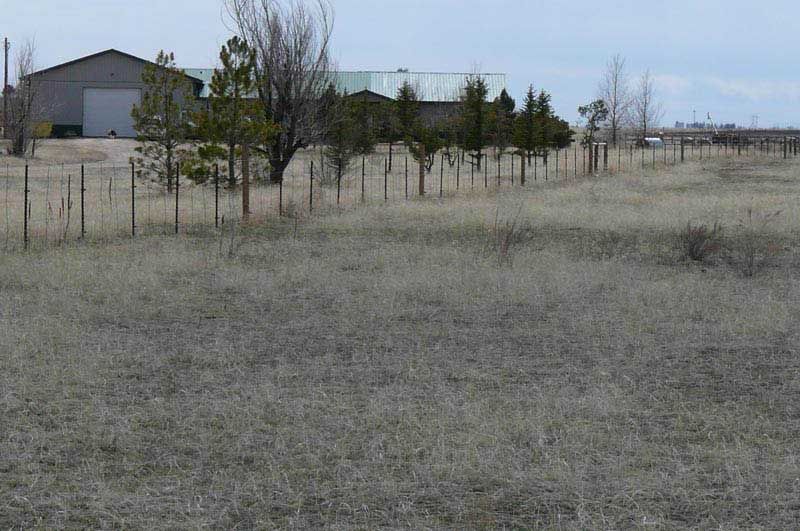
(438, 87)
(430, 86)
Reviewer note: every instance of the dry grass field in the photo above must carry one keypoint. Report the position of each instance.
(539, 358)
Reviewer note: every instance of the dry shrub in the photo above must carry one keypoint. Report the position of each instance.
(698, 242)
(752, 249)
(507, 234)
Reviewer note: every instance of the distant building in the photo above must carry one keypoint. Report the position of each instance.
(94, 95)
(439, 93)
(680, 125)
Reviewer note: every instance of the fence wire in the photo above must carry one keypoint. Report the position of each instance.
(46, 205)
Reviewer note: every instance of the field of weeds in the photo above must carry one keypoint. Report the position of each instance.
(616, 352)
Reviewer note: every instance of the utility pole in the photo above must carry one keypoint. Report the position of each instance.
(4, 91)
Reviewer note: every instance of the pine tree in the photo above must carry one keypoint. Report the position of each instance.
(388, 126)
(159, 121)
(422, 141)
(364, 123)
(234, 119)
(407, 109)
(524, 135)
(543, 124)
(340, 143)
(473, 117)
(501, 122)
(594, 113)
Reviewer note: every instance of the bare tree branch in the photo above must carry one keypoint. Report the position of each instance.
(293, 67)
(647, 110)
(614, 91)
(22, 109)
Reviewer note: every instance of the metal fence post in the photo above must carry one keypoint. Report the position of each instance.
(385, 181)
(363, 177)
(338, 185)
(133, 199)
(177, 192)
(83, 218)
(406, 175)
(441, 177)
(558, 155)
(216, 196)
(280, 197)
(311, 189)
(472, 173)
(25, 211)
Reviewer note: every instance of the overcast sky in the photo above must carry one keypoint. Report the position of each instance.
(732, 58)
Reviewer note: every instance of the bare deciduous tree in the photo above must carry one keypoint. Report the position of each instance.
(647, 110)
(291, 41)
(21, 105)
(614, 91)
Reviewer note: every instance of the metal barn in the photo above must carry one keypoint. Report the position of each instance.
(93, 95)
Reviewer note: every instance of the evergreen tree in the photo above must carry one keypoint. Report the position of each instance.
(388, 126)
(407, 110)
(524, 134)
(501, 122)
(234, 119)
(543, 121)
(422, 141)
(473, 117)
(364, 123)
(351, 131)
(340, 145)
(159, 121)
(594, 113)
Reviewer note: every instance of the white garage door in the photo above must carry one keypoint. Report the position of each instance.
(106, 109)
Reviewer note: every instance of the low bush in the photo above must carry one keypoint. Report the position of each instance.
(698, 242)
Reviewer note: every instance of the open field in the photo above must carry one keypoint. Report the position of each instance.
(543, 357)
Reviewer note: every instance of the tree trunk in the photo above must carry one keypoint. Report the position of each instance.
(245, 182)
(169, 171)
(422, 158)
(278, 167)
(231, 166)
(591, 157)
(522, 175)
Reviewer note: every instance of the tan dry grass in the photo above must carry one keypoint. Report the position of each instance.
(378, 369)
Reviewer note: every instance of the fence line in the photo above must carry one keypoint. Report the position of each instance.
(48, 205)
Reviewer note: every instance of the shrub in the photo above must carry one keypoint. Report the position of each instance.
(752, 248)
(508, 234)
(698, 242)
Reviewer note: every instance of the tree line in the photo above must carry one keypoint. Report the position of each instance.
(273, 94)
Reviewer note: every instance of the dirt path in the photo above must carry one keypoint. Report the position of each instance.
(73, 151)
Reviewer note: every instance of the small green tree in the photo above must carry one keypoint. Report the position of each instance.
(388, 126)
(473, 117)
(159, 121)
(543, 120)
(595, 114)
(422, 141)
(524, 134)
(364, 120)
(340, 145)
(234, 118)
(501, 122)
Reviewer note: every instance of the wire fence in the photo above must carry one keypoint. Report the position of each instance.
(49, 205)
